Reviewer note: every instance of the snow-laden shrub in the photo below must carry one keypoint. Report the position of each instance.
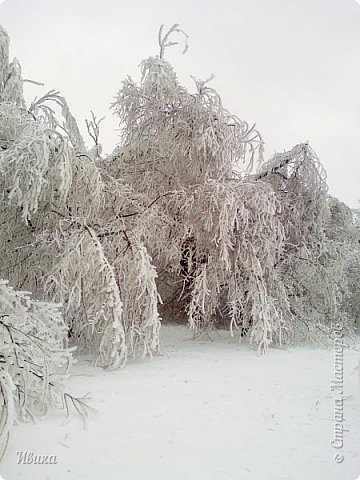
(34, 358)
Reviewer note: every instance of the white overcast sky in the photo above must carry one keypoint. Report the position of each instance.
(291, 66)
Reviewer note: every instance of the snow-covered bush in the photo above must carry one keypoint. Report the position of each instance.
(33, 358)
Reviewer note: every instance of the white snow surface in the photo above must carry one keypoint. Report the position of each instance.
(203, 410)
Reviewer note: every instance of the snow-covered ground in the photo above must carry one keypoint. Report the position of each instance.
(204, 410)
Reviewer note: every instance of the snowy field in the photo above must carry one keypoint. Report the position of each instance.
(208, 410)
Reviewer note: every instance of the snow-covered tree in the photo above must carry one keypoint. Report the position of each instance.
(184, 209)
(235, 247)
(61, 232)
(62, 239)
(319, 243)
(220, 236)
